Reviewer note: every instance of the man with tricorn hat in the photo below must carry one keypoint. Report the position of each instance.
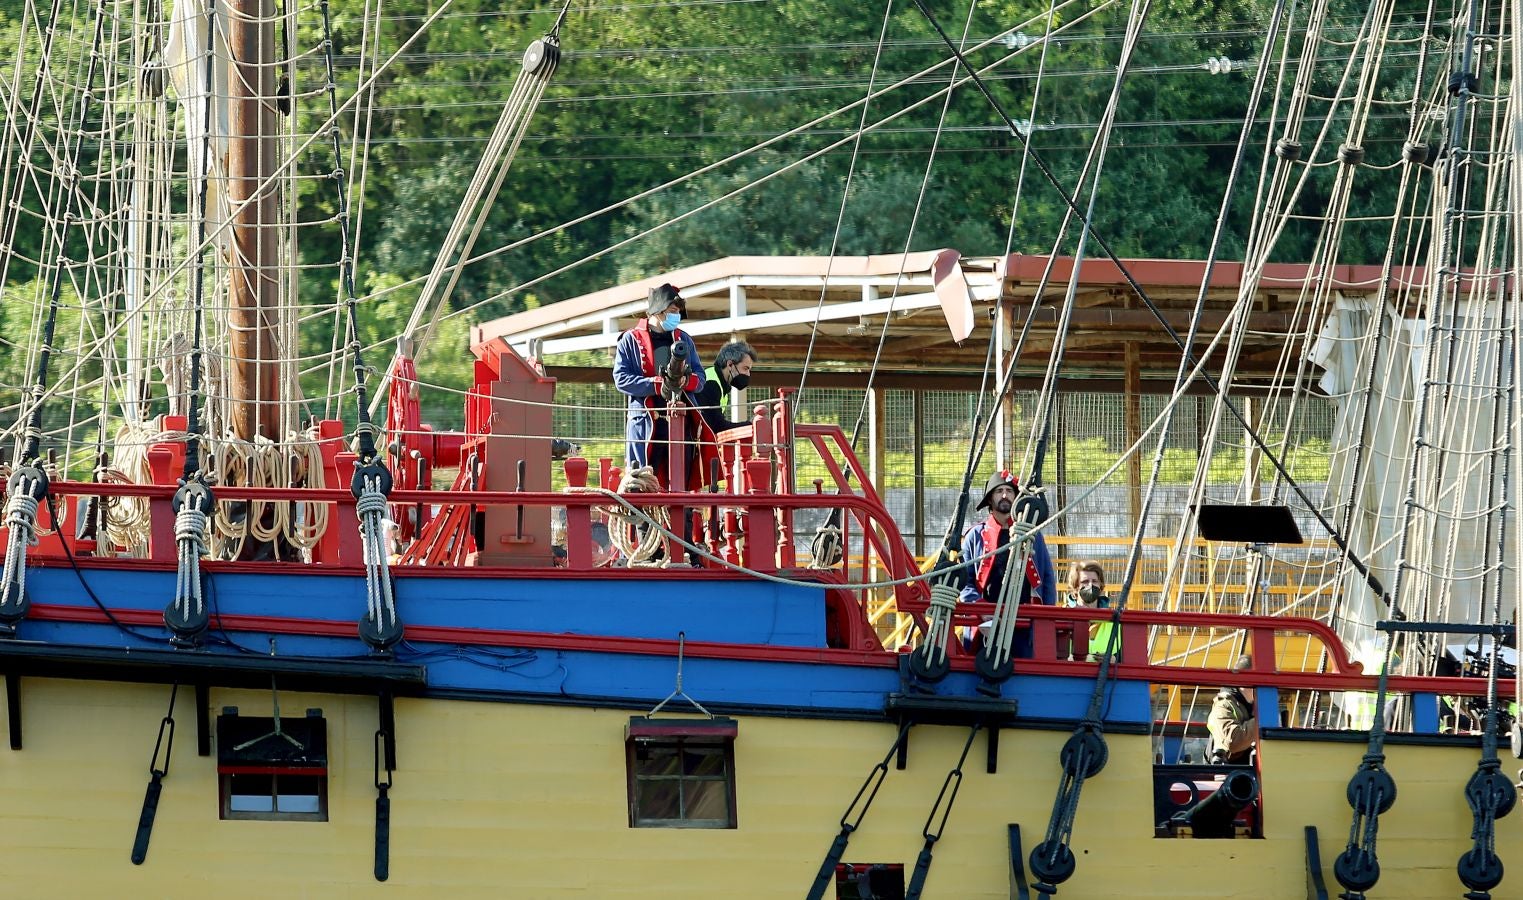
(643, 370)
(987, 573)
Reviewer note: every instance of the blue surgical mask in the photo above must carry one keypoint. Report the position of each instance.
(671, 321)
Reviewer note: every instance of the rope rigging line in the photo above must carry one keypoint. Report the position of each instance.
(851, 171)
(825, 879)
(1372, 790)
(187, 616)
(380, 628)
(1274, 458)
(28, 483)
(539, 63)
(827, 538)
(1085, 15)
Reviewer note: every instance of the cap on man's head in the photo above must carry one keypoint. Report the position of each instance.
(662, 297)
(1243, 664)
(999, 479)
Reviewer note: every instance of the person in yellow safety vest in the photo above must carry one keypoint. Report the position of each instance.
(1086, 587)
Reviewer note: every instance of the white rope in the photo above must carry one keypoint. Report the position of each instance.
(21, 519)
(372, 509)
(190, 539)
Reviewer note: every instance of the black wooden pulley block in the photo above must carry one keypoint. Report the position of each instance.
(194, 493)
(1372, 783)
(1356, 870)
(370, 471)
(1489, 787)
(1480, 870)
(1052, 862)
(1084, 749)
(993, 672)
(933, 669)
(36, 478)
(1031, 507)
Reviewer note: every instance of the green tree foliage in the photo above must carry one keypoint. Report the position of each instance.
(649, 92)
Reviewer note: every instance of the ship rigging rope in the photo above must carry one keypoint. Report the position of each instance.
(154, 293)
(851, 171)
(1372, 790)
(1261, 239)
(232, 212)
(918, 77)
(539, 66)
(811, 156)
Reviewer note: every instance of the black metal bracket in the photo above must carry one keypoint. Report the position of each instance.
(1018, 889)
(388, 721)
(203, 720)
(1316, 888)
(929, 709)
(1498, 629)
(205, 670)
(13, 707)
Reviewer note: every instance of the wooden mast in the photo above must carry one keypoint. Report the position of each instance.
(253, 291)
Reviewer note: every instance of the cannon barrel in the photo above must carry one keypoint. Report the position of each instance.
(1213, 816)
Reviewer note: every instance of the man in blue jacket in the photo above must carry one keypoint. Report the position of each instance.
(641, 371)
(986, 575)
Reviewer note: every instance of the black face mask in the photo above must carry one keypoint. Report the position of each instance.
(739, 381)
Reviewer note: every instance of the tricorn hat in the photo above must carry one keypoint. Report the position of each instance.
(662, 297)
(998, 479)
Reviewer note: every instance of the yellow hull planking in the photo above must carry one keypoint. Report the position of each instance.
(525, 801)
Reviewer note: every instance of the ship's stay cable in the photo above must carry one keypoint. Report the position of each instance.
(1287, 156)
(380, 627)
(27, 487)
(851, 171)
(1376, 338)
(1372, 790)
(539, 64)
(1084, 755)
(157, 290)
(861, 803)
(811, 156)
(826, 545)
(1216, 387)
(918, 77)
(231, 212)
(187, 615)
(1278, 17)
(827, 541)
(996, 661)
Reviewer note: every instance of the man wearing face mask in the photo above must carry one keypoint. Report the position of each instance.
(732, 369)
(986, 575)
(1086, 587)
(641, 370)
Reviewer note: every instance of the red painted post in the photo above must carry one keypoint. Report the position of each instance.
(161, 516)
(578, 518)
(761, 524)
(345, 523)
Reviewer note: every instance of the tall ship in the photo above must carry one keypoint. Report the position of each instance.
(278, 613)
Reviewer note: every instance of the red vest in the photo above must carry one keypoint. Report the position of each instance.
(695, 423)
(989, 534)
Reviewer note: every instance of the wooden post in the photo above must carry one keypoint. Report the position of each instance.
(1133, 406)
(917, 428)
(737, 313)
(253, 285)
(1252, 489)
(1004, 349)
